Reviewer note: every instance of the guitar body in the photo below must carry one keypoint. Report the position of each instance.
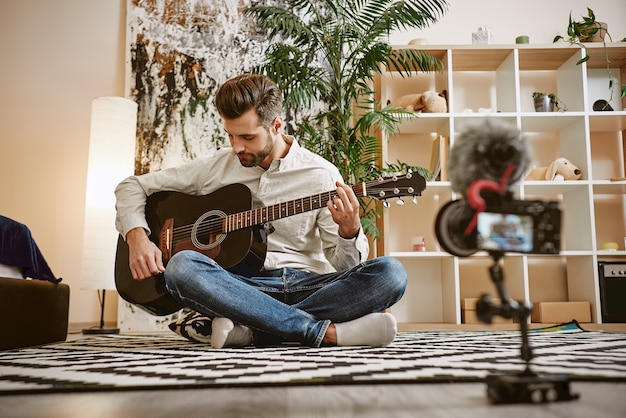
(241, 251)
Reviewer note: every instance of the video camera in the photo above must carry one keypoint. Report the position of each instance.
(484, 163)
(505, 225)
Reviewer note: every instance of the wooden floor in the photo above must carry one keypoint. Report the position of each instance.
(467, 400)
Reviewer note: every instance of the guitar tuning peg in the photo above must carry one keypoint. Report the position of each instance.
(396, 191)
(399, 202)
(386, 204)
(414, 200)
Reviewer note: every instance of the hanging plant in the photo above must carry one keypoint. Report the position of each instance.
(586, 30)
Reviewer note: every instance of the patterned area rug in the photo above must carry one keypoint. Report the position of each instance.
(148, 362)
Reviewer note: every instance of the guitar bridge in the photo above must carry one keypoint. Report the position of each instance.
(166, 239)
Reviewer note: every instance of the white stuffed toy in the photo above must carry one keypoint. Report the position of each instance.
(428, 102)
(558, 170)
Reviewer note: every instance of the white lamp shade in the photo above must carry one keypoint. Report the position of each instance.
(111, 159)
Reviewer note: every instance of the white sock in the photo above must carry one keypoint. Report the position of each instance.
(376, 329)
(225, 333)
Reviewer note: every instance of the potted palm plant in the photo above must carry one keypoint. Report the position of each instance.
(580, 32)
(324, 55)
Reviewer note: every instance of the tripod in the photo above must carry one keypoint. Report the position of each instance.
(526, 386)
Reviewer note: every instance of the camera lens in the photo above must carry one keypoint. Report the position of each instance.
(450, 225)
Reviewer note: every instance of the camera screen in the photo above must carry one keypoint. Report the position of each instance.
(505, 232)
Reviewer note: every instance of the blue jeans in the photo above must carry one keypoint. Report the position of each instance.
(286, 304)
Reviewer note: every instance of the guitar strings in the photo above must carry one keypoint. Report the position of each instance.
(216, 225)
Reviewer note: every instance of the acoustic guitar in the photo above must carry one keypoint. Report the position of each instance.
(223, 226)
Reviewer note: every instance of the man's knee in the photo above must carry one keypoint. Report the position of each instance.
(177, 262)
(181, 265)
(393, 272)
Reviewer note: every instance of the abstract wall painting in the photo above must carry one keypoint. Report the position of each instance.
(179, 52)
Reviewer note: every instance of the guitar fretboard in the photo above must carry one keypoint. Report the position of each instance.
(262, 215)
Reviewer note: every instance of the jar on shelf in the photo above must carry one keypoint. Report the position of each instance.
(484, 36)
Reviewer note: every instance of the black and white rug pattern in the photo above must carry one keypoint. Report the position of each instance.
(170, 361)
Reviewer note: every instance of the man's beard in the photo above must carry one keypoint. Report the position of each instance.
(251, 160)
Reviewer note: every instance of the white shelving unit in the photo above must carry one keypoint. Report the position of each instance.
(496, 81)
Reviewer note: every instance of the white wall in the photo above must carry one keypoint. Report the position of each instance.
(57, 55)
(541, 20)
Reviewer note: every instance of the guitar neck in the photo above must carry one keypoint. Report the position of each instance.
(266, 214)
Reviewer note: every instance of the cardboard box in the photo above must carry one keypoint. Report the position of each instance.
(470, 317)
(561, 312)
(468, 312)
(470, 303)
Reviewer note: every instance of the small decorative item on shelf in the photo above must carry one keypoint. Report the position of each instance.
(522, 39)
(484, 36)
(602, 106)
(427, 102)
(609, 246)
(418, 243)
(547, 102)
(558, 170)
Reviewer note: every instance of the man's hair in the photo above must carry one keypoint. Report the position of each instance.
(247, 91)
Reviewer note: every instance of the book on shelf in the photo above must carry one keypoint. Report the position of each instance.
(440, 149)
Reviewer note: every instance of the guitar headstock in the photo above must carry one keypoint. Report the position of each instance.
(396, 186)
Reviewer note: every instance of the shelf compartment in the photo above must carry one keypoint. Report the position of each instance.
(582, 283)
(394, 85)
(411, 148)
(610, 218)
(483, 79)
(598, 78)
(431, 292)
(607, 154)
(554, 137)
(474, 277)
(547, 279)
(418, 220)
(563, 279)
(554, 71)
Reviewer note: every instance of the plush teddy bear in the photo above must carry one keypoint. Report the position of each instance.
(427, 102)
(558, 170)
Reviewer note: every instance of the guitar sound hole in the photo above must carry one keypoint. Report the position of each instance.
(209, 237)
(208, 231)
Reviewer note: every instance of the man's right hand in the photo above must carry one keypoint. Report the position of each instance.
(145, 258)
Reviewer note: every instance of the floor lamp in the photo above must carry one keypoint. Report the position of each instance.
(111, 159)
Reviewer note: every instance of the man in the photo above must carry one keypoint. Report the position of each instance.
(316, 286)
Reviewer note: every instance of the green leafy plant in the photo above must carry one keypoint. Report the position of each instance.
(324, 55)
(558, 103)
(581, 31)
